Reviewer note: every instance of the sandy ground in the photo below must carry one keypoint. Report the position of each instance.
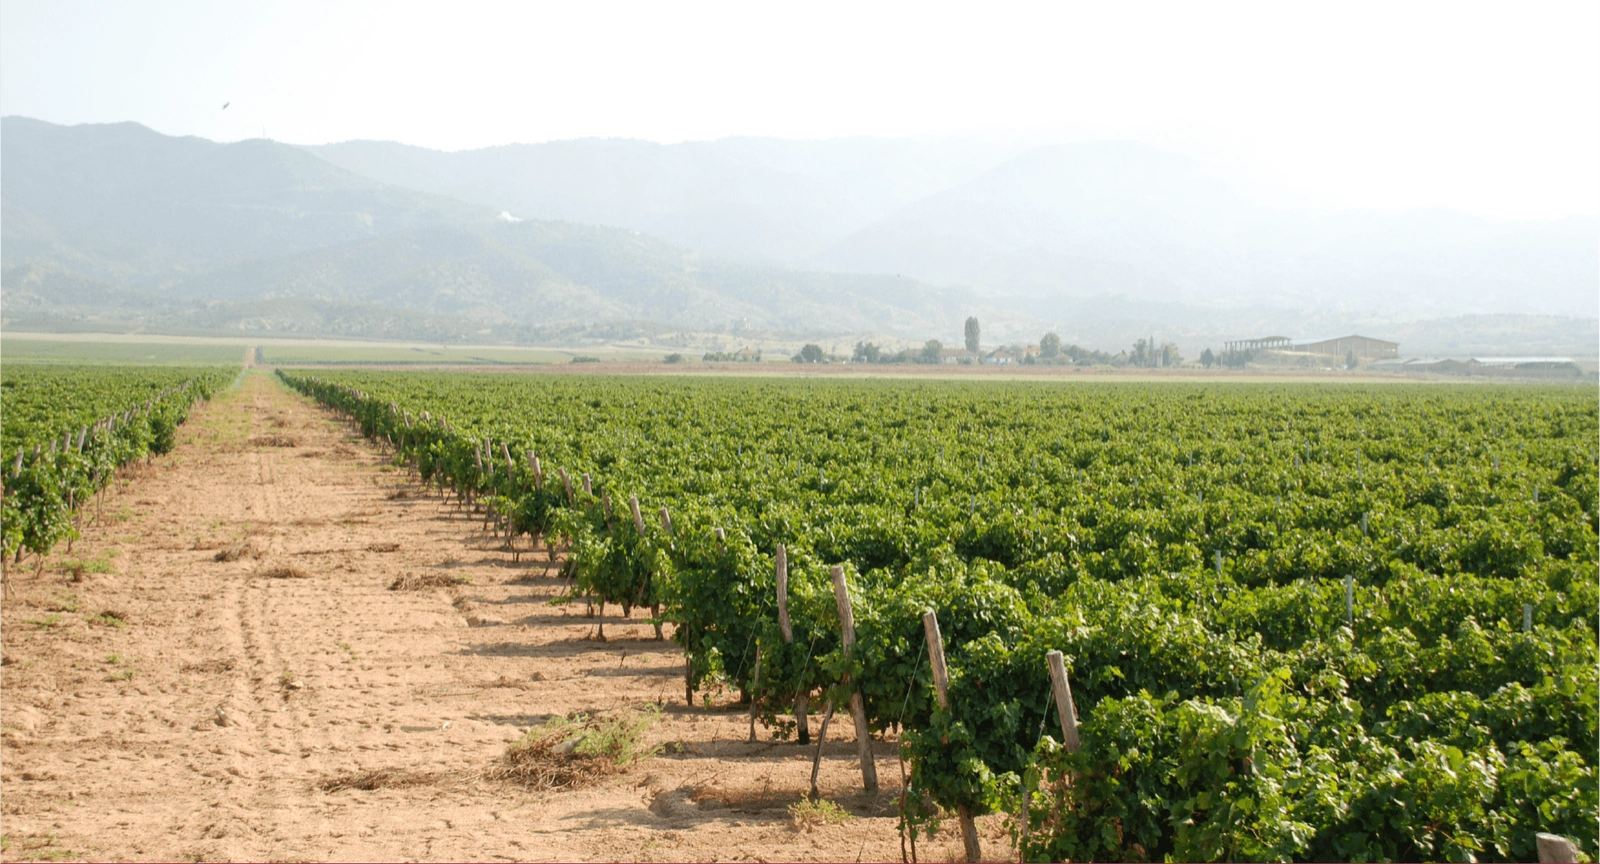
(158, 704)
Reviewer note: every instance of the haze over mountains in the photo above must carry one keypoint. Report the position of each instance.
(117, 223)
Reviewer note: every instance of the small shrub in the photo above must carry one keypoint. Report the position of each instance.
(110, 618)
(621, 738)
(567, 752)
(808, 814)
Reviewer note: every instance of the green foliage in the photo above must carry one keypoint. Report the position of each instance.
(1049, 345)
(1185, 547)
(66, 429)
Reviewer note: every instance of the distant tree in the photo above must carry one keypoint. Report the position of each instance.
(1168, 355)
(1207, 358)
(1141, 354)
(932, 352)
(866, 352)
(972, 334)
(1350, 360)
(673, 358)
(1049, 345)
(810, 354)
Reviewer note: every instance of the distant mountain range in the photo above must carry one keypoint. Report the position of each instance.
(159, 221)
(761, 199)
(1099, 240)
(1031, 228)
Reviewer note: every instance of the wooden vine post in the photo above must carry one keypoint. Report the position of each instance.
(941, 687)
(1065, 710)
(655, 608)
(1555, 849)
(858, 708)
(781, 566)
(566, 483)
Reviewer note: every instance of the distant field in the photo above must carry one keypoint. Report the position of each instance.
(14, 350)
(292, 355)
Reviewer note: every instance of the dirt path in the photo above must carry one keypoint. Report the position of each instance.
(159, 704)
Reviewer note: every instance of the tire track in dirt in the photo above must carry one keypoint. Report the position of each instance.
(131, 759)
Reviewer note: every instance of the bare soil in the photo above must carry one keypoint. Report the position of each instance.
(219, 670)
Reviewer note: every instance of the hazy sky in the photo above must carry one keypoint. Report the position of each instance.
(1493, 108)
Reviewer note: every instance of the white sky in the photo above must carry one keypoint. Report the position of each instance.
(1493, 108)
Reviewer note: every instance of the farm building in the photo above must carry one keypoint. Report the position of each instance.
(1527, 363)
(1265, 343)
(1364, 347)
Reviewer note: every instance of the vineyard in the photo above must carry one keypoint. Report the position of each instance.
(67, 429)
(1298, 623)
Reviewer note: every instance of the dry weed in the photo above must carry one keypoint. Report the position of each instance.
(283, 573)
(273, 441)
(381, 778)
(384, 546)
(424, 581)
(237, 551)
(209, 667)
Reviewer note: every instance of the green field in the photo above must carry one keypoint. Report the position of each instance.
(306, 355)
(30, 350)
(1300, 622)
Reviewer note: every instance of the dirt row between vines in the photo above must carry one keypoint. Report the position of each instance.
(157, 703)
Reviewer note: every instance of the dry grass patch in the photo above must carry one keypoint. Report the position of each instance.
(282, 573)
(425, 581)
(575, 751)
(381, 778)
(209, 667)
(384, 546)
(273, 441)
(236, 551)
